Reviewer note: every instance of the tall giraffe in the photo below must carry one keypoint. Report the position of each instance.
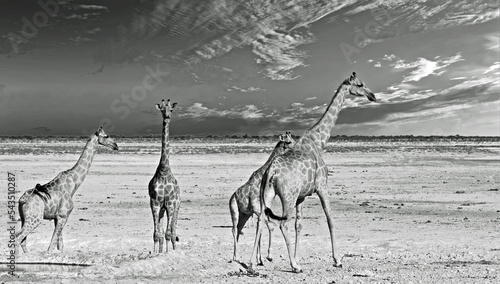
(164, 192)
(54, 200)
(302, 171)
(245, 200)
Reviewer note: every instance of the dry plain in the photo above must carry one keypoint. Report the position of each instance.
(404, 212)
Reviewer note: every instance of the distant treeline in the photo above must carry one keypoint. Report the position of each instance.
(251, 138)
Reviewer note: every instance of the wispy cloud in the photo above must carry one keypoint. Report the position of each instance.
(197, 110)
(424, 67)
(279, 55)
(493, 42)
(92, 7)
(493, 68)
(212, 28)
(245, 90)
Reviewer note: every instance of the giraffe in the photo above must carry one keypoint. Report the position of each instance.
(54, 200)
(245, 200)
(301, 171)
(164, 192)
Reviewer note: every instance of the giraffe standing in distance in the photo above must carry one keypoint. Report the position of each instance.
(54, 200)
(245, 200)
(301, 171)
(164, 192)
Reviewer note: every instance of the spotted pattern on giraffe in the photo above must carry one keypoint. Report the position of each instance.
(164, 192)
(245, 201)
(58, 204)
(301, 172)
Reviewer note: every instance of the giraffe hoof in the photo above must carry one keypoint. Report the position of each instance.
(269, 258)
(297, 270)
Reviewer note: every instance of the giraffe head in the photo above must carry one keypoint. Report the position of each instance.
(105, 140)
(358, 88)
(285, 143)
(166, 108)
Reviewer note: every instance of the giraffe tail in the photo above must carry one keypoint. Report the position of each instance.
(270, 214)
(42, 191)
(267, 190)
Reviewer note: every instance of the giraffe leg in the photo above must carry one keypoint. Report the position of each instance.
(60, 238)
(256, 243)
(31, 217)
(173, 227)
(270, 229)
(238, 224)
(160, 230)
(61, 221)
(298, 226)
(284, 231)
(233, 209)
(155, 210)
(325, 203)
(23, 241)
(259, 253)
(168, 231)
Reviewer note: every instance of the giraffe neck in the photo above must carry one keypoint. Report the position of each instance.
(319, 133)
(163, 166)
(269, 160)
(81, 168)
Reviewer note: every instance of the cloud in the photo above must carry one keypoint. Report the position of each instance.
(212, 28)
(92, 7)
(93, 31)
(390, 57)
(197, 110)
(494, 67)
(493, 42)
(243, 90)
(279, 55)
(183, 33)
(424, 67)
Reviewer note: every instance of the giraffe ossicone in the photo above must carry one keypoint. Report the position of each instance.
(301, 171)
(54, 200)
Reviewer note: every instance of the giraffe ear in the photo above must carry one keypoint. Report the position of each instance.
(158, 106)
(173, 105)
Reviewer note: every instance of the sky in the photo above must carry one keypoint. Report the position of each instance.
(258, 67)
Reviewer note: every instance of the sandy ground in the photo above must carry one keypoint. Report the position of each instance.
(401, 216)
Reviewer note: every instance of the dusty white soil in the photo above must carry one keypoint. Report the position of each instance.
(401, 216)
